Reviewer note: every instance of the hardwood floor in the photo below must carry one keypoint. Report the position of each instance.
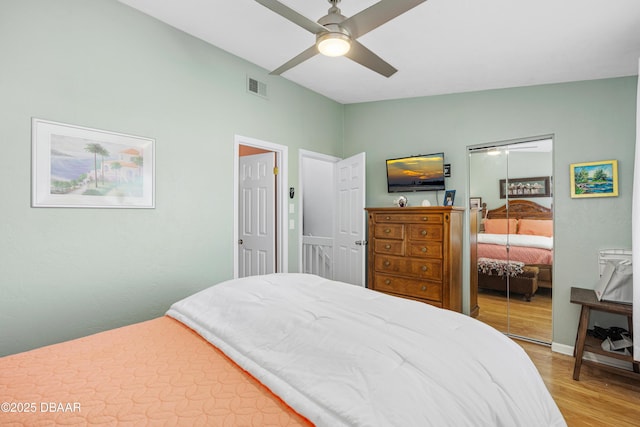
(531, 319)
(600, 398)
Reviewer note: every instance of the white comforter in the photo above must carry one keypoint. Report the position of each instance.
(541, 242)
(345, 355)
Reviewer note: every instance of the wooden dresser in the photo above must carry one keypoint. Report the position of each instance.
(416, 253)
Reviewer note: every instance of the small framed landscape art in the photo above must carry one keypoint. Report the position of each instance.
(74, 166)
(594, 179)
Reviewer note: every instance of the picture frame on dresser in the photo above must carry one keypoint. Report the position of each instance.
(449, 197)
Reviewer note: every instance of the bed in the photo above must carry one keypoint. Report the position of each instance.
(528, 229)
(282, 350)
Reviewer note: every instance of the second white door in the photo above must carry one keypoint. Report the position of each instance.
(256, 234)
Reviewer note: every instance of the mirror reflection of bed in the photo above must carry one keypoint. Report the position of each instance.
(526, 268)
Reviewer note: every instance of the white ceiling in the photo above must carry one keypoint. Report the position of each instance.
(439, 47)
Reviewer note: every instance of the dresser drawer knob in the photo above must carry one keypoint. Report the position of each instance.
(425, 268)
(387, 230)
(387, 263)
(387, 218)
(423, 232)
(424, 249)
(424, 218)
(424, 288)
(387, 282)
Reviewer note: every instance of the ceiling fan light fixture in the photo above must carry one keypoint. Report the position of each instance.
(333, 44)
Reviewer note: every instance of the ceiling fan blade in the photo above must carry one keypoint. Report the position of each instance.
(363, 56)
(293, 16)
(376, 15)
(307, 54)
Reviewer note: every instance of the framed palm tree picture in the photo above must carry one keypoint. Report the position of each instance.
(74, 166)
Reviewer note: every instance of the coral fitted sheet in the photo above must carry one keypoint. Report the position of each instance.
(157, 372)
(516, 253)
(523, 248)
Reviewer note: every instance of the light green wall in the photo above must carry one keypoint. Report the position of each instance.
(486, 171)
(69, 272)
(593, 120)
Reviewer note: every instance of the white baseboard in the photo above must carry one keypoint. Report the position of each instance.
(562, 348)
(568, 350)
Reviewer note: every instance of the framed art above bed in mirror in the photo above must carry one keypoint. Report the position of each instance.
(518, 188)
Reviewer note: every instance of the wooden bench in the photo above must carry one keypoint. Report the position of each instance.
(523, 281)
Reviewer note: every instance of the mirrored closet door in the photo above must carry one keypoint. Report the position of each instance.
(512, 184)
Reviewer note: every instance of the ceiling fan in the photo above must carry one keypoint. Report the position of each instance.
(336, 34)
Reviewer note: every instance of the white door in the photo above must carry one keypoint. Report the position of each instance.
(350, 221)
(256, 222)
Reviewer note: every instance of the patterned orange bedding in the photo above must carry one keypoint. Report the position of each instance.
(516, 253)
(157, 372)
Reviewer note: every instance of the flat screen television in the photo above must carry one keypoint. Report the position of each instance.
(423, 172)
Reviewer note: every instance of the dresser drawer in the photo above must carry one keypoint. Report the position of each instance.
(413, 267)
(408, 217)
(408, 287)
(425, 249)
(392, 247)
(425, 232)
(389, 231)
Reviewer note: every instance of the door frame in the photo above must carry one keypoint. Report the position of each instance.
(310, 155)
(281, 234)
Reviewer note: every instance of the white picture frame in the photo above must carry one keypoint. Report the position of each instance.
(475, 202)
(81, 167)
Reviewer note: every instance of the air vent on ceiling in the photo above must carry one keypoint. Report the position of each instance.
(256, 87)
